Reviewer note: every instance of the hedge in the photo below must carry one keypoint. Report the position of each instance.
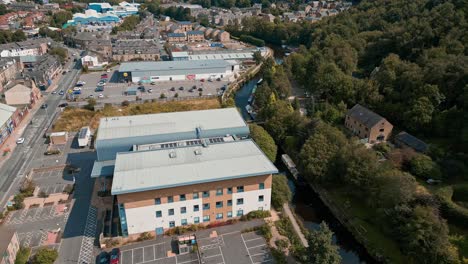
(454, 213)
(252, 40)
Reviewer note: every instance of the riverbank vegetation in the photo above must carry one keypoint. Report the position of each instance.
(407, 62)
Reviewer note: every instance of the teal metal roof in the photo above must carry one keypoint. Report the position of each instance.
(165, 168)
(103, 168)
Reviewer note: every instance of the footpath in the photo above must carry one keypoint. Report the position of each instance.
(295, 225)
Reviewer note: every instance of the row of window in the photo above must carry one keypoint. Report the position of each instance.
(206, 206)
(206, 194)
(206, 218)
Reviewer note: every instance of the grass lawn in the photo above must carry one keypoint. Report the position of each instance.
(72, 119)
(366, 222)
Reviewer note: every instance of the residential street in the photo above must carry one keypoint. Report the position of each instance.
(14, 169)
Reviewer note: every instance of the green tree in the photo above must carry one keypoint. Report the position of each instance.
(391, 188)
(18, 35)
(321, 249)
(264, 141)
(22, 256)
(45, 256)
(423, 166)
(91, 104)
(62, 53)
(257, 56)
(319, 150)
(280, 192)
(420, 114)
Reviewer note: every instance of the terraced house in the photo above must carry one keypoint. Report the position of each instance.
(182, 168)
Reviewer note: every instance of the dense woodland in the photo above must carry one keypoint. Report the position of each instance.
(407, 61)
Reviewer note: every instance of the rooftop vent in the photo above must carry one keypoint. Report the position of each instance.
(172, 155)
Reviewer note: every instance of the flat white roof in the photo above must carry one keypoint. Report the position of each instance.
(6, 112)
(168, 123)
(165, 168)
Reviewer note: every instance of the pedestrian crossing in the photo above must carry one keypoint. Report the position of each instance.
(87, 244)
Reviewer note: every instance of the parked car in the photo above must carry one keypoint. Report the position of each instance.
(63, 105)
(191, 90)
(202, 80)
(20, 141)
(115, 256)
(44, 106)
(200, 89)
(219, 79)
(54, 92)
(181, 88)
(150, 90)
(108, 70)
(173, 89)
(61, 92)
(64, 72)
(103, 258)
(142, 89)
(101, 83)
(79, 85)
(90, 96)
(101, 96)
(153, 83)
(104, 80)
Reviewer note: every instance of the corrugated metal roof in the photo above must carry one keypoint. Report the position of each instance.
(6, 112)
(143, 66)
(158, 169)
(168, 123)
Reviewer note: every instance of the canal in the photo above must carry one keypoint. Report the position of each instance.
(307, 204)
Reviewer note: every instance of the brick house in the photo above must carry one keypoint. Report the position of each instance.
(195, 36)
(367, 125)
(176, 37)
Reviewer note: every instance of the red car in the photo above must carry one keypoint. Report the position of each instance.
(115, 256)
(104, 76)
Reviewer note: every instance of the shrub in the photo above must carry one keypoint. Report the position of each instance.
(279, 256)
(27, 189)
(454, 213)
(69, 188)
(125, 103)
(162, 96)
(176, 95)
(145, 236)
(255, 215)
(19, 201)
(45, 256)
(252, 40)
(383, 148)
(43, 194)
(280, 192)
(423, 166)
(22, 256)
(282, 244)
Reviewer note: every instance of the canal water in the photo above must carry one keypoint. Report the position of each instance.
(308, 205)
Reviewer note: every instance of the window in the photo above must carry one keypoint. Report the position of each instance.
(260, 198)
(196, 208)
(171, 211)
(219, 216)
(183, 210)
(196, 220)
(240, 201)
(219, 204)
(170, 199)
(261, 186)
(183, 222)
(195, 195)
(381, 130)
(206, 194)
(219, 191)
(182, 197)
(206, 206)
(206, 218)
(171, 223)
(158, 214)
(229, 214)
(240, 189)
(229, 202)
(229, 190)
(240, 212)
(157, 201)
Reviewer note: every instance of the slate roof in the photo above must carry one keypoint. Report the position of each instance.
(365, 116)
(411, 141)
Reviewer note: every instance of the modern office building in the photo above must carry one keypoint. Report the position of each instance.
(153, 71)
(176, 169)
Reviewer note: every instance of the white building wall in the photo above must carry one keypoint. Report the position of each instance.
(251, 202)
(143, 219)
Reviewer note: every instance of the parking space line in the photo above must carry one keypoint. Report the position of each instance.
(222, 256)
(243, 240)
(265, 261)
(212, 256)
(257, 246)
(258, 254)
(257, 238)
(189, 261)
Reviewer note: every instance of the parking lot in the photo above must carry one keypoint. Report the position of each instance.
(114, 91)
(157, 254)
(229, 245)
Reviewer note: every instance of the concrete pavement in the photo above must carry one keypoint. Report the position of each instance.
(295, 225)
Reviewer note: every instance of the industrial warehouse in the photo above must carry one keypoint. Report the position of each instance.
(182, 168)
(154, 71)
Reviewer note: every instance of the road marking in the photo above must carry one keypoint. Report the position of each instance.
(243, 240)
(257, 246)
(212, 256)
(254, 239)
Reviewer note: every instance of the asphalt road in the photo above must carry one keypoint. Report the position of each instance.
(15, 168)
